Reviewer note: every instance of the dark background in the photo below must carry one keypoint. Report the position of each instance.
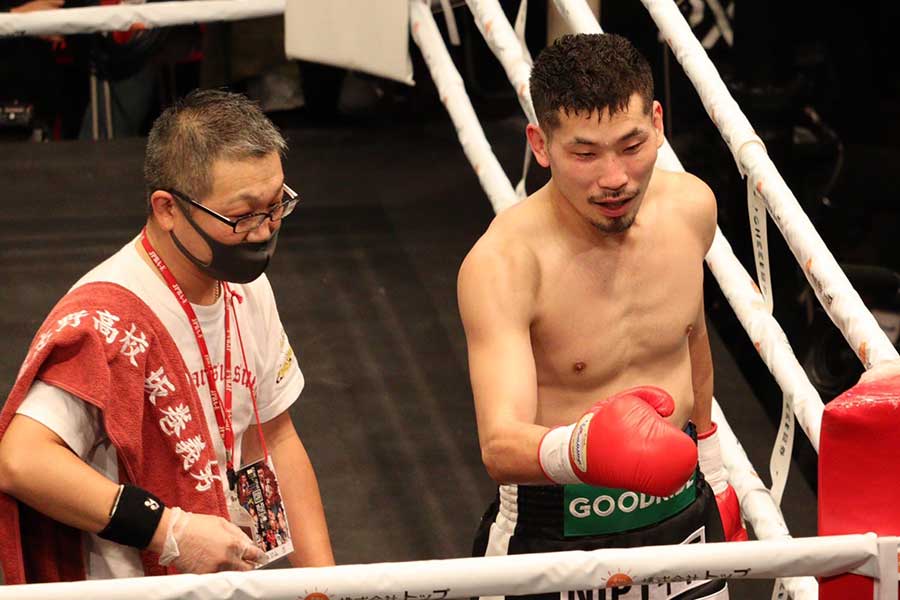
(365, 270)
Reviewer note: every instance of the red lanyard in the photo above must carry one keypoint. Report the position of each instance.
(222, 407)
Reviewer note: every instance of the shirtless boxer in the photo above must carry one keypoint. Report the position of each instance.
(589, 288)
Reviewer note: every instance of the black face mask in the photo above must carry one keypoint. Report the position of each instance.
(235, 263)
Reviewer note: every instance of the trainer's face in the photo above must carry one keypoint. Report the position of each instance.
(208, 241)
(240, 187)
(601, 164)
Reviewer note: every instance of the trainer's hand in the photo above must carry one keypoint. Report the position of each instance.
(624, 442)
(198, 543)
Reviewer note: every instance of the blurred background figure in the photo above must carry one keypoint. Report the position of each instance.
(31, 79)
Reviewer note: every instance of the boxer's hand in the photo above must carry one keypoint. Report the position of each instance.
(730, 513)
(198, 543)
(622, 442)
(717, 478)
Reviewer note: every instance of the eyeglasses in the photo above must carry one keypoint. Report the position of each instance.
(248, 223)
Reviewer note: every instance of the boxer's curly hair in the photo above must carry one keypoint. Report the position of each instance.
(204, 126)
(588, 72)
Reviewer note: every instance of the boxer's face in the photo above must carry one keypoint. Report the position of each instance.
(601, 163)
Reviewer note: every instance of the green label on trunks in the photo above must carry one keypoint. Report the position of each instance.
(593, 510)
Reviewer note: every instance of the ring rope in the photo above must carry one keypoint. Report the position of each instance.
(452, 93)
(507, 47)
(838, 297)
(122, 16)
(767, 336)
(865, 554)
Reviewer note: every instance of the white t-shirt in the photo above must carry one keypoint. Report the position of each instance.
(272, 367)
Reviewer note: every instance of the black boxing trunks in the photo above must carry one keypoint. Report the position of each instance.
(526, 519)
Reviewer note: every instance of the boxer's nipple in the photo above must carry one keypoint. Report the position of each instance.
(578, 367)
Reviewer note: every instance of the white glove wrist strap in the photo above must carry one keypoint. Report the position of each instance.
(710, 457)
(170, 548)
(554, 455)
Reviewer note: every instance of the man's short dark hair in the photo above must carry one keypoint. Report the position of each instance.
(205, 126)
(584, 73)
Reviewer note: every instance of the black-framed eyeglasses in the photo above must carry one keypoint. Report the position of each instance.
(248, 223)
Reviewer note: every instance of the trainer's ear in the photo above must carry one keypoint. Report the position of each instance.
(162, 208)
(540, 144)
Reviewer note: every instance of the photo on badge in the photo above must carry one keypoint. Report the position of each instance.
(258, 494)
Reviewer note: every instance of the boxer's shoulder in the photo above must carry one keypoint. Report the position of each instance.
(502, 263)
(499, 254)
(513, 236)
(676, 188)
(688, 201)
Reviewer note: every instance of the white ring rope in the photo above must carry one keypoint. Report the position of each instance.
(836, 294)
(507, 47)
(122, 16)
(865, 554)
(453, 95)
(767, 336)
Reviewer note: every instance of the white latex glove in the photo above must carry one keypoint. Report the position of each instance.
(198, 543)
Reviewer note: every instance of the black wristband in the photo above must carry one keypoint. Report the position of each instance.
(133, 518)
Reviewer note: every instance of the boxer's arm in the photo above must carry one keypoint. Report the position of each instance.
(710, 454)
(299, 490)
(496, 292)
(701, 372)
(702, 214)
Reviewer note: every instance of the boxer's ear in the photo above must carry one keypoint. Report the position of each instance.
(163, 209)
(539, 142)
(656, 117)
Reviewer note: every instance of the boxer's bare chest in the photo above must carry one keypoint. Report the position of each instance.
(612, 318)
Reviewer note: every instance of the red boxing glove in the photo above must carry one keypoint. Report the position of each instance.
(622, 442)
(717, 478)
